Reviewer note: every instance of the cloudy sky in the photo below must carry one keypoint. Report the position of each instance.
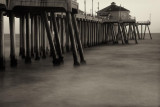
(141, 9)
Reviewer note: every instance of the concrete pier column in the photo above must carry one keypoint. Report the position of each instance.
(91, 24)
(62, 33)
(43, 40)
(2, 59)
(74, 48)
(85, 33)
(113, 34)
(141, 31)
(137, 31)
(12, 37)
(40, 35)
(67, 36)
(120, 32)
(36, 40)
(88, 35)
(149, 32)
(32, 36)
(58, 44)
(98, 30)
(145, 31)
(82, 32)
(23, 34)
(134, 30)
(28, 39)
(104, 32)
(124, 33)
(107, 34)
(94, 33)
(56, 61)
(77, 35)
(129, 32)
(20, 36)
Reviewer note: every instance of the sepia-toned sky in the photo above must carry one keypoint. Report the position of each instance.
(141, 9)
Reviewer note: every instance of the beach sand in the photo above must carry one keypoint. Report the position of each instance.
(114, 76)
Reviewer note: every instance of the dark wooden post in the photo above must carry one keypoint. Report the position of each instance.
(74, 48)
(43, 40)
(67, 37)
(106, 33)
(80, 49)
(28, 39)
(136, 25)
(88, 35)
(20, 36)
(120, 32)
(36, 40)
(2, 58)
(149, 32)
(40, 34)
(124, 33)
(145, 31)
(85, 32)
(23, 22)
(82, 32)
(59, 48)
(91, 35)
(62, 33)
(134, 30)
(12, 36)
(141, 31)
(32, 36)
(56, 61)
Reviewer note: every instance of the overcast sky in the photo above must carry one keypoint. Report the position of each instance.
(141, 9)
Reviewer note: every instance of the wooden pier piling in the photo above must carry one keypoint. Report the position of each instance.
(73, 44)
(77, 35)
(12, 40)
(56, 61)
(28, 39)
(59, 48)
(2, 57)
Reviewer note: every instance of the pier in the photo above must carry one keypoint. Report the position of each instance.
(52, 28)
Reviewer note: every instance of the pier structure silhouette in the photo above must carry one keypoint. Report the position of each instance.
(53, 27)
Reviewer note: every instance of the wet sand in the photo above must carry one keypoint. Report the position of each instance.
(114, 76)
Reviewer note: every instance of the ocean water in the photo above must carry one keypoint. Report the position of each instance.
(114, 76)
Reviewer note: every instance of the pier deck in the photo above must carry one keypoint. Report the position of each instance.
(115, 76)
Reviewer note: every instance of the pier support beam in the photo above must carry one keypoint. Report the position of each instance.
(20, 36)
(43, 40)
(32, 36)
(23, 22)
(134, 30)
(80, 49)
(12, 37)
(137, 31)
(56, 61)
(36, 40)
(149, 32)
(2, 59)
(59, 48)
(28, 39)
(74, 48)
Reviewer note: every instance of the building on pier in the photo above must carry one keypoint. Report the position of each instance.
(114, 12)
